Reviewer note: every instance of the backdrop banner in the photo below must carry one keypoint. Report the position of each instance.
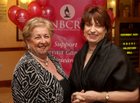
(68, 38)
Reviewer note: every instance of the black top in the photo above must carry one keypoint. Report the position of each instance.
(66, 87)
(108, 69)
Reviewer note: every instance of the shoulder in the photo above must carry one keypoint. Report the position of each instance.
(117, 51)
(24, 63)
(26, 58)
(107, 49)
(112, 48)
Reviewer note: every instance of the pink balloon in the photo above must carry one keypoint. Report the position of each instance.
(48, 12)
(22, 16)
(34, 9)
(42, 3)
(12, 13)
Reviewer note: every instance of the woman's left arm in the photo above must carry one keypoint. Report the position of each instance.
(111, 96)
(123, 96)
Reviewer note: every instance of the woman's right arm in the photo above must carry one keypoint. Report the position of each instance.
(24, 84)
(17, 82)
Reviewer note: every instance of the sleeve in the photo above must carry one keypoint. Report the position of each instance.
(125, 76)
(24, 84)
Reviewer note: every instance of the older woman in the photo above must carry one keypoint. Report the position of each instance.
(101, 72)
(38, 76)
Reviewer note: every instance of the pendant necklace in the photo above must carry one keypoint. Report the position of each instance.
(41, 60)
(46, 62)
(90, 51)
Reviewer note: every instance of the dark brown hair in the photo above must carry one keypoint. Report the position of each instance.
(99, 15)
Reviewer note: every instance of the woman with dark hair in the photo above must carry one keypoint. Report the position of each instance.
(101, 71)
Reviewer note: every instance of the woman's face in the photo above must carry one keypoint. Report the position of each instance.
(94, 32)
(40, 41)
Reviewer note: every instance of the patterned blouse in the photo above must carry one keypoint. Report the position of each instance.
(33, 84)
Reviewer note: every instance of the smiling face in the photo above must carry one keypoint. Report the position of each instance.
(94, 32)
(37, 34)
(39, 42)
(95, 24)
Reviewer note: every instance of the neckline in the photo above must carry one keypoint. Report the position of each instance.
(41, 60)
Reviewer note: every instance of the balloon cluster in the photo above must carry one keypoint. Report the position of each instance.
(38, 8)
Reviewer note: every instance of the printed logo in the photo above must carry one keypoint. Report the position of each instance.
(67, 11)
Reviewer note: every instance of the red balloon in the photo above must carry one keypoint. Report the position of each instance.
(100, 2)
(111, 15)
(34, 9)
(42, 3)
(22, 16)
(48, 12)
(12, 13)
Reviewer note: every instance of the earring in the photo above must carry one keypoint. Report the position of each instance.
(28, 47)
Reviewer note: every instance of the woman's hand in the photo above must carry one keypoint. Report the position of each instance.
(84, 97)
(77, 97)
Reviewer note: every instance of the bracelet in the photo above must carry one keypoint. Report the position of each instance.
(107, 97)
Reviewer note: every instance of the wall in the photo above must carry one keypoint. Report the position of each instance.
(9, 52)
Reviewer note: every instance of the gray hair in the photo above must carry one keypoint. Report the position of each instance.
(36, 22)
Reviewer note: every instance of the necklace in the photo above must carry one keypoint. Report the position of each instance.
(90, 51)
(41, 60)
